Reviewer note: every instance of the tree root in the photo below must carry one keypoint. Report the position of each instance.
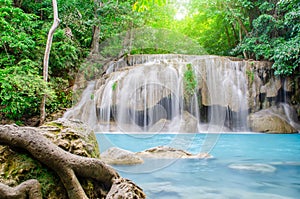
(68, 166)
(30, 189)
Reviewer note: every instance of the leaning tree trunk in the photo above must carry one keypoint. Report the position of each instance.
(68, 166)
(46, 57)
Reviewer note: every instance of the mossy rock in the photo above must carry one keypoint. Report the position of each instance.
(73, 136)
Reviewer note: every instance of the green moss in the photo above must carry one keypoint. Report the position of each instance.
(19, 166)
(114, 86)
(92, 96)
(54, 124)
(93, 140)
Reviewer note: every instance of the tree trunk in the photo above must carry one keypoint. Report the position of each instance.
(68, 166)
(96, 30)
(46, 57)
(95, 41)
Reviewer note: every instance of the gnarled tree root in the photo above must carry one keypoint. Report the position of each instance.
(29, 189)
(68, 166)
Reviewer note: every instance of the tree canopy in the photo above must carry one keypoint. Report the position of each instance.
(260, 30)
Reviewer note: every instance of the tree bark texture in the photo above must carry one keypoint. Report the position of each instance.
(46, 57)
(68, 166)
(30, 189)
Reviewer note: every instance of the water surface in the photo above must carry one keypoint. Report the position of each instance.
(244, 166)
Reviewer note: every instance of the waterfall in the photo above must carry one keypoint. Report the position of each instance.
(84, 110)
(150, 93)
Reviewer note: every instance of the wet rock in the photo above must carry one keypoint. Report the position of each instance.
(272, 87)
(116, 156)
(159, 126)
(270, 121)
(188, 123)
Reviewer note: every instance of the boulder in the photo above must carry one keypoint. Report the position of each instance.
(117, 156)
(159, 126)
(269, 122)
(272, 87)
(73, 136)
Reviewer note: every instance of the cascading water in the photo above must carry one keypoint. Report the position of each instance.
(152, 94)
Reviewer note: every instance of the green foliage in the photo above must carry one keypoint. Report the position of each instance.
(142, 5)
(275, 36)
(23, 33)
(21, 90)
(215, 25)
(287, 56)
(149, 40)
(17, 33)
(115, 17)
(63, 95)
(190, 81)
(155, 41)
(65, 55)
(114, 86)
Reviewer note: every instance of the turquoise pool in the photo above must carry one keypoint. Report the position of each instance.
(245, 166)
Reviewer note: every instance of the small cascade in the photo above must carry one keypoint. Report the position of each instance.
(291, 116)
(85, 109)
(178, 93)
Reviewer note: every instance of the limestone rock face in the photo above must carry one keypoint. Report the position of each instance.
(120, 156)
(269, 122)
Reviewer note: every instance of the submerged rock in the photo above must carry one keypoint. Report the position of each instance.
(258, 167)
